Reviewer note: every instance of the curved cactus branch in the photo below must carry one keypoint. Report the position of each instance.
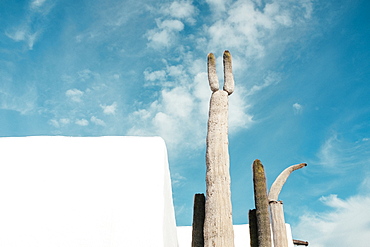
(276, 207)
(280, 181)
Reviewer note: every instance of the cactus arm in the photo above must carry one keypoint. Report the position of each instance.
(276, 207)
(212, 75)
(280, 181)
(228, 73)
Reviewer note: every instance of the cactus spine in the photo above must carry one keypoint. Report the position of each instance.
(218, 227)
(261, 203)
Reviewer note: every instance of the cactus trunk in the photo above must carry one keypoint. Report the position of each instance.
(261, 203)
(218, 227)
(276, 207)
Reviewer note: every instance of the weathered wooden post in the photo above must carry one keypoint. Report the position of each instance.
(261, 203)
(276, 207)
(218, 227)
(198, 221)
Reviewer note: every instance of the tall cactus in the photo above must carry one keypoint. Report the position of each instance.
(276, 207)
(218, 227)
(261, 203)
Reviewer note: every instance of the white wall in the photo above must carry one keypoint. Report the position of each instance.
(85, 191)
(241, 236)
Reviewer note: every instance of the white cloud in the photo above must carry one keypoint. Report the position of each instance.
(23, 34)
(178, 102)
(23, 102)
(171, 25)
(175, 117)
(271, 78)
(218, 6)
(177, 179)
(181, 10)
(59, 123)
(97, 121)
(54, 123)
(37, 3)
(251, 30)
(64, 121)
(74, 94)
(339, 155)
(238, 116)
(82, 122)
(159, 75)
(109, 109)
(32, 25)
(18, 35)
(165, 35)
(298, 108)
(347, 223)
(85, 74)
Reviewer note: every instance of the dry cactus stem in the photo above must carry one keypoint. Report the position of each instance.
(261, 203)
(276, 207)
(198, 221)
(218, 227)
(253, 229)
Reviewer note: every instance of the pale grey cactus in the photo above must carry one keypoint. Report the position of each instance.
(218, 226)
(276, 207)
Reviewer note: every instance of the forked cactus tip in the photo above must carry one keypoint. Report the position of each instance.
(211, 57)
(228, 73)
(212, 75)
(227, 54)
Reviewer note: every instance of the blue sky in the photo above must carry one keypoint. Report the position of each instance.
(301, 68)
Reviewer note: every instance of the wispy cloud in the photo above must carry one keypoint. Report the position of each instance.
(22, 101)
(94, 105)
(23, 33)
(37, 3)
(171, 22)
(251, 28)
(109, 109)
(97, 121)
(32, 25)
(58, 123)
(342, 154)
(218, 6)
(183, 10)
(74, 94)
(297, 108)
(82, 122)
(166, 33)
(346, 223)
